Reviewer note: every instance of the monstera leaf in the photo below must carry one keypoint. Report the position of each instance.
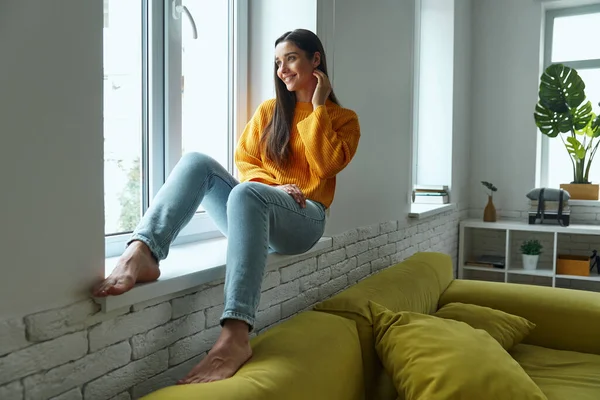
(589, 130)
(575, 148)
(561, 88)
(562, 108)
(551, 123)
(582, 116)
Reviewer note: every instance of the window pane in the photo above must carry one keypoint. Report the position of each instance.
(560, 169)
(571, 38)
(122, 114)
(205, 79)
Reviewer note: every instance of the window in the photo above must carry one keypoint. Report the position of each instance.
(170, 87)
(567, 41)
(433, 94)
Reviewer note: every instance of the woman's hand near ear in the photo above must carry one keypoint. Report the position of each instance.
(323, 89)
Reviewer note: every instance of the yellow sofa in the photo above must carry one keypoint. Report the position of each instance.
(328, 353)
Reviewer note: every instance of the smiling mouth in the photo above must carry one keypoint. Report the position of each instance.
(288, 79)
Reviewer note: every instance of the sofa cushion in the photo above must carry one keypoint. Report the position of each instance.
(506, 328)
(561, 374)
(413, 285)
(313, 355)
(435, 358)
(565, 319)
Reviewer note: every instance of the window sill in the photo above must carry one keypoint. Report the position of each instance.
(421, 211)
(585, 203)
(189, 266)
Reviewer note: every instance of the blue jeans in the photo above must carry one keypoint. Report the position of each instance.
(256, 218)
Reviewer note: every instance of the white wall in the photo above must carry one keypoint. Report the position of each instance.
(506, 69)
(434, 79)
(373, 76)
(507, 63)
(463, 69)
(269, 19)
(373, 53)
(50, 153)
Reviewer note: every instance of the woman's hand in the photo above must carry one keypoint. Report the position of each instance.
(323, 89)
(295, 192)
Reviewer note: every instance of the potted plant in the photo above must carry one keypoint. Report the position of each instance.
(489, 213)
(531, 250)
(562, 111)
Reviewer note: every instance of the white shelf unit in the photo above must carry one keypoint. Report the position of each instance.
(508, 230)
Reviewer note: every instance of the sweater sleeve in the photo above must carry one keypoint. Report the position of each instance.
(247, 153)
(329, 150)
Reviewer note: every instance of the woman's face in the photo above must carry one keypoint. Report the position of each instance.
(294, 68)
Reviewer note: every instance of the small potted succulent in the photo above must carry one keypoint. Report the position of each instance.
(531, 250)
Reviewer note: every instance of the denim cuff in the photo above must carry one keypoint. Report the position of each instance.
(158, 255)
(238, 316)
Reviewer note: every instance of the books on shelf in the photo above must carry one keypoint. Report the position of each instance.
(490, 261)
(550, 212)
(431, 194)
(549, 206)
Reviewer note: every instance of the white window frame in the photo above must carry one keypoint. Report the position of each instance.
(550, 14)
(161, 143)
(414, 137)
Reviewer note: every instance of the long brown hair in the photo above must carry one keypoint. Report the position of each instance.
(276, 136)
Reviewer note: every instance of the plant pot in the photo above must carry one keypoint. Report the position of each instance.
(489, 213)
(530, 261)
(582, 191)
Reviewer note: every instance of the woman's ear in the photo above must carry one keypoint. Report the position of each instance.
(316, 59)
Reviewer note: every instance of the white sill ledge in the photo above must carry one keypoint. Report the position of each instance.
(189, 266)
(585, 203)
(420, 211)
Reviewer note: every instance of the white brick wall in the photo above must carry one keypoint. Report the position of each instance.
(124, 378)
(55, 323)
(122, 396)
(74, 394)
(12, 336)
(12, 391)
(123, 327)
(43, 356)
(77, 353)
(75, 374)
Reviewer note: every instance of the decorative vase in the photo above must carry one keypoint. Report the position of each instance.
(530, 261)
(489, 213)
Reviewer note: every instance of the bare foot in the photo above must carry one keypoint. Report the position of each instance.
(135, 265)
(229, 353)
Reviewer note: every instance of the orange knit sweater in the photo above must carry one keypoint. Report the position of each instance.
(322, 143)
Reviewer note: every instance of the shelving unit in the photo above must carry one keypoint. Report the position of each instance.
(502, 238)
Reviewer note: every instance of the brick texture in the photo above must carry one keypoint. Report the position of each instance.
(65, 377)
(54, 323)
(12, 336)
(76, 353)
(123, 378)
(161, 337)
(43, 356)
(12, 391)
(124, 327)
(74, 394)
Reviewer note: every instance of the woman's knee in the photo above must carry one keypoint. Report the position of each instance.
(196, 159)
(196, 163)
(246, 192)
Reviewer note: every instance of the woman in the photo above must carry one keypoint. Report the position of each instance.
(288, 157)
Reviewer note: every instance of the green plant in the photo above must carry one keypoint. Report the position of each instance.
(562, 110)
(489, 187)
(531, 247)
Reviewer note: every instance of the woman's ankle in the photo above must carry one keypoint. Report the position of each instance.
(236, 329)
